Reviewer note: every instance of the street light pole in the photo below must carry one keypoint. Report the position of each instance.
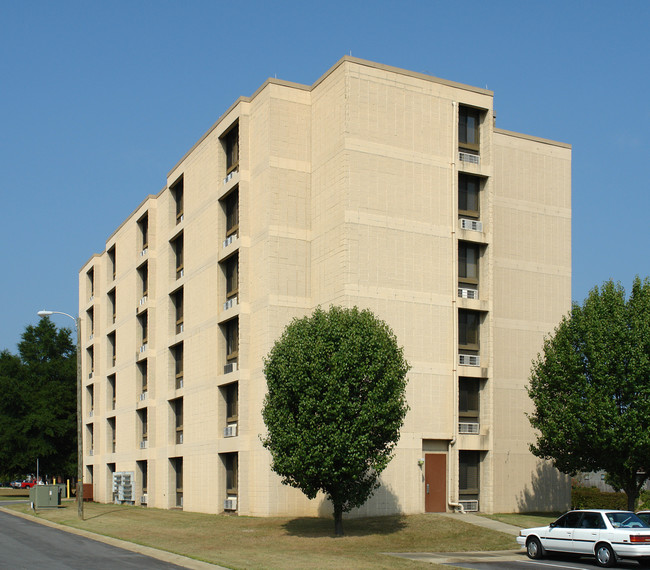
(80, 448)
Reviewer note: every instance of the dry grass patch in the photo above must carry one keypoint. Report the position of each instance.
(287, 543)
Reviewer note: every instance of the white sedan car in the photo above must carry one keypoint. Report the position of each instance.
(606, 534)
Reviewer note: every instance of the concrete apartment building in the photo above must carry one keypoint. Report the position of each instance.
(376, 187)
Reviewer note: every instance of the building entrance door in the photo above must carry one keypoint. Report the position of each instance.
(435, 483)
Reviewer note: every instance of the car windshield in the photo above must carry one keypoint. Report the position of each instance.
(626, 520)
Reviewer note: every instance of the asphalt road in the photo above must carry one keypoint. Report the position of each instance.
(521, 562)
(28, 545)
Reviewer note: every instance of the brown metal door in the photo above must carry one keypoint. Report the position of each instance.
(435, 483)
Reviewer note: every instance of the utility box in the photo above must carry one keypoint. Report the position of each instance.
(43, 496)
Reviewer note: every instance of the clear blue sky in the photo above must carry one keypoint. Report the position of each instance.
(99, 100)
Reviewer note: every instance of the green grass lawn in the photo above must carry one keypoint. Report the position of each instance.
(9, 494)
(525, 520)
(288, 543)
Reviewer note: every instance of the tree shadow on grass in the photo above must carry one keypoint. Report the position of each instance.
(312, 527)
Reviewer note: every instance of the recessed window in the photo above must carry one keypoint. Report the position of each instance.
(111, 390)
(177, 474)
(232, 472)
(143, 226)
(177, 410)
(143, 323)
(231, 145)
(232, 276)
(232, 339)
(177, 302)
(468, 128)
(177, 196)
(231, 206)
(468, 260)
(232, 397)
(90, 283)
(143, 373)
(111, 434)
(177, 355)
(112, 267)
(468, 474)
(143, 277)
(468, 195)
(143, 423)
(468, 399)
(177, 248)
(468, 329)
(112, 348)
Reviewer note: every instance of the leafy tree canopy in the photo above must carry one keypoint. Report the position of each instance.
(335, 405)
(591, 388)
(38, 403)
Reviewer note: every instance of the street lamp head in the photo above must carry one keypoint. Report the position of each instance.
(44, 313)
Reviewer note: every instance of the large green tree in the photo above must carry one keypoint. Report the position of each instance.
(38, 403)
(591, 388)
(335, 404)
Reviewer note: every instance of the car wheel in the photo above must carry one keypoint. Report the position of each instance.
(605, 556)
(534, 548)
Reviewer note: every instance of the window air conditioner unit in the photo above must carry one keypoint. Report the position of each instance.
(144, 499)
(466, 293)
(91, 336)
(90, 413)
(90, 452)
(143, 396)
(231, 367)
(469, 506)
(144, 252)
(180, 438)
(143, 300)
(230, 303)
(474, 225)
(469, 360)
(469, 157)
(143, 347)
(230, 431)
(468, 427)
(228, 178)
(181, 273)
(230, 504)
(143, 444)
(181, 328)
(181, 218)
(228, 240)
(90, 375)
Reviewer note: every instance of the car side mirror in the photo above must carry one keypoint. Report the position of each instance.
(552, 525)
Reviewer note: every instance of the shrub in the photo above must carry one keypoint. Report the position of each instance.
(593, 498)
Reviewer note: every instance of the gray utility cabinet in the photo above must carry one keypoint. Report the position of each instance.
(45, 496)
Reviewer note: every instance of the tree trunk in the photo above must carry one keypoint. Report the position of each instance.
(632, 493)
(338, 519)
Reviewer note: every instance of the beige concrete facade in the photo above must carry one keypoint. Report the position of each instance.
(375, 187)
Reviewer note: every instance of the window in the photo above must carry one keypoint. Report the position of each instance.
(177, 355)
(468, 128)
(232, 472)
(231, 144)
(232, 276)
(177, 410)
(143, 469)
(91, 399)
(468, 399)
(468, 256)
(112, 349)
(177, 196)
(143, 323)
(231, 205)
(177, 248)
(232, 407)
(91, 361)
(90, 438)
(177, 302)
(143, 226)
(232, 339)
(177, 475)
(90, 319)
(111, 390)
(143, 418)
(90, 283)
(143, 276)
(112, 306)
(468, 474)
(468, 329)
(111, 262)
(468, 195)
(143, 373)
(111, 434)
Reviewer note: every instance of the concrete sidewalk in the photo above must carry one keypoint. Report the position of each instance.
(484, 522)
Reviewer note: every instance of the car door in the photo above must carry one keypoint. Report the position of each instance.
(559, 535)
(587, 532)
